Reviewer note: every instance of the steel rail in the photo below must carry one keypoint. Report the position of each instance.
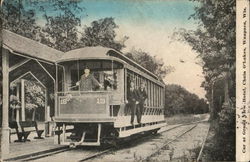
(52, 152)
(38, 155)
(46, 154)
(97, 154)
(203, 144)
(180, 125)
(112, 148)
(171, 141)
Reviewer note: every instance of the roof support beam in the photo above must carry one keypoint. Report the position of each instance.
(29, 73)
(46, 71)
(19, 64)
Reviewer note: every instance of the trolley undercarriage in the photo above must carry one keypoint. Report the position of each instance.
(96, 134)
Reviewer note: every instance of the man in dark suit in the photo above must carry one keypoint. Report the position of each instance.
(132, 101)
(142, 96)
(88, 81)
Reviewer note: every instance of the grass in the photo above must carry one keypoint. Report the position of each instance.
(209, 146)
(184, 118)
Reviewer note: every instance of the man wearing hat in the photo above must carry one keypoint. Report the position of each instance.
(142, 96)
(88, 81)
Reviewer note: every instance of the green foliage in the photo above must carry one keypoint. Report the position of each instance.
(60, 31)
(151, 63)
(219, 148)
(102, 33)
(226, 128)
(14, 102)
(18, 19)
(34, 95)
(62, 26)
(179, 100)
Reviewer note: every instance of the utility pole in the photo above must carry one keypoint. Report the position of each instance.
(226, 103)
(211, 102)
(1, 3)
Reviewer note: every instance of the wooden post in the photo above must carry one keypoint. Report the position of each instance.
(55, 91)
(46, 116)
(5, 108)
(23, 100)
(18, 97)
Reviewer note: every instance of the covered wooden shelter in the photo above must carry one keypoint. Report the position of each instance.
(19, 56)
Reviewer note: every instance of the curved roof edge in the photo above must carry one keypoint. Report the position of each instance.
(99, 52)
(82, 53)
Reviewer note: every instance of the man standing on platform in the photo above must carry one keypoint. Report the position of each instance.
(142, 96)
(132, 101)
(88, 81)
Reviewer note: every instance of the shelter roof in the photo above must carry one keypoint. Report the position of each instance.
(22, 45)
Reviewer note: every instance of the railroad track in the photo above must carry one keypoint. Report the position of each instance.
(39, 155)
(112, 149)
(202, 146)
(100, 153)
(167, 143)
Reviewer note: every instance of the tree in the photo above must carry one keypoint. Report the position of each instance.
(151, 63)
(34, 97)
(214, 41)
(19, 20)
(61, 31)
(179, 100)
(102, 33)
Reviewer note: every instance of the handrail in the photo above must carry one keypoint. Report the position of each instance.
(77, 92)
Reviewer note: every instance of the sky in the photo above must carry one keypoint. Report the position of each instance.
(149, 24)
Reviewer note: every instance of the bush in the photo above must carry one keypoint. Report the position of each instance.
(222, 146)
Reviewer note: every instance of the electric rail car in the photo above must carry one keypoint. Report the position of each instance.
(91, 118)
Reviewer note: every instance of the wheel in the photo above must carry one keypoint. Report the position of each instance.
(155, 131)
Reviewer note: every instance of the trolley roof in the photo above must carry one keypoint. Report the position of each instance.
(83, 53)
(99, 52)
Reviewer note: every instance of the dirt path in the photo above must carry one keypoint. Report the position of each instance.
(186, 148)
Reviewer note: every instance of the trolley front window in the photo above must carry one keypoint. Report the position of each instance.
(105, 72)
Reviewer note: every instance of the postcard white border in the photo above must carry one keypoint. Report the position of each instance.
(242, 81)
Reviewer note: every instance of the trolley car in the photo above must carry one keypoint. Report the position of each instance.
(99, 114)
